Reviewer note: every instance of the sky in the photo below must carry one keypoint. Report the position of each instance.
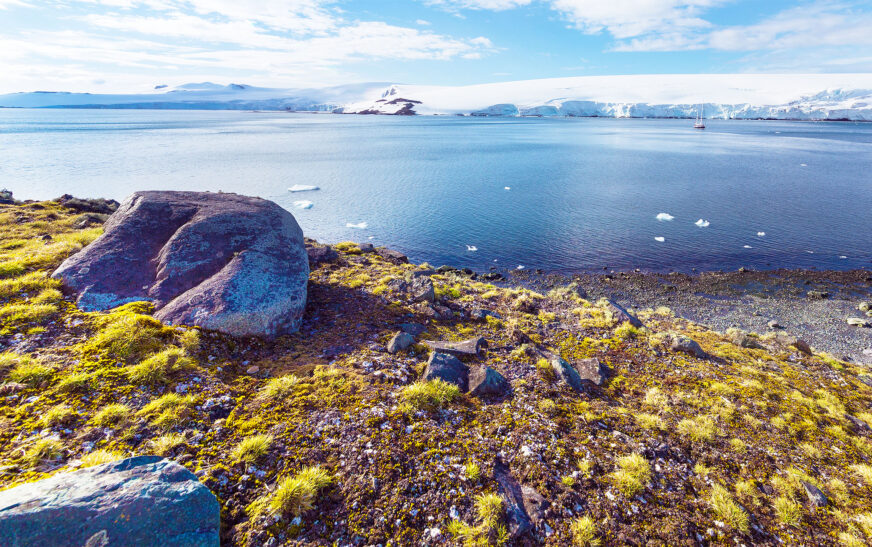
(112, 46)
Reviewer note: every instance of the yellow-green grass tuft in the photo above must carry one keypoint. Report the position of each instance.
(632, 475)
(429, 395)
(112, 415)
(583, 531)
(99, 457)
(75, 383)
(699, 429)
(251, 449)
(788, 511)
(727, 510)
(297, 494)
(43, 450)
(166, 443)
(278, 389)
(169, 411)
(58, 415)
(157, 368)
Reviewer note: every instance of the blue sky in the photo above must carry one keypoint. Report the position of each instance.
(133, 45)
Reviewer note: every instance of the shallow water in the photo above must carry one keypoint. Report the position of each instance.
(584, 193)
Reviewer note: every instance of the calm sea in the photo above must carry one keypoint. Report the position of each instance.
(557, 194)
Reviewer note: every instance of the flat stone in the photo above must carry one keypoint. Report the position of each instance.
(224, 262)
(773, 324)
(567, 374)
(447, 368)
(144, 500)
(682, 343)
(321, 254)
(592, 370)
(518, 522)
(415, 329)
(487, 381)
(399, 342)
(743, 339)
(392, 256)
(481, 314)
(366, 247)
(858, 322)
(621, 315)
(815, 496)
(252, 370)
(817, 295)
(474, 347)
(864, 306)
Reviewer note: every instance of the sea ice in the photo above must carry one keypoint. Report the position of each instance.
(664, 216)
(660, 239)
(761, 234)
(359, 225)
(302, 188)
(843, 257)
(803, 165)
(303, 204)
(508, 187)
(471, 248)
(702, 223)
(520, 267)
(747, 247)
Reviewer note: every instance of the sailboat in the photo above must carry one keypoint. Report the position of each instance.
(700, 117)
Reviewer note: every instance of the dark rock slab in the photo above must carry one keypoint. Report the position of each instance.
(858, 425)
(518, 521)
(621, 315)
(415, 329)
(422, 289)
(321, 254)
(485, 381)
(815, 497)
(474, 347)
(366, 248)
(447, 368)
(591, 370)
(481, 314)
(145, 500)
(89, 205)
(567, 374)
(399, 342)
(223, 262)
(392, 256)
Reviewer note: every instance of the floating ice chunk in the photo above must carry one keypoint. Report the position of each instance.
(664, 217)
(520, 267)
(371, 237)
(471, 248)
(660, 239)
(761, 234)
(810, 252)
(508, 187)
(747, 247)
(359, 225)
(843, 257)
(302, 188)
(803, 165)
(303, 204)
(702, 223)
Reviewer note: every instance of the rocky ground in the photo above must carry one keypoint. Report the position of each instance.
(586, 429)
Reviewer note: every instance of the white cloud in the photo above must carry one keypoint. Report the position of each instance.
(422, 22)
(492, 5)
(630, 18)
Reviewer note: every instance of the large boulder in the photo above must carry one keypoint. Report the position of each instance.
(225, 262)
(145, 500)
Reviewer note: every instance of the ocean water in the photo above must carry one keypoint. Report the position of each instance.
(557, 194)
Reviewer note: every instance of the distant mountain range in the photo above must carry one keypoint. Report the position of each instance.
(725, 96)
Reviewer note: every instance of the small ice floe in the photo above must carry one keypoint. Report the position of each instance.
(761, 234)
(661, 239)
(507, 188)
(702, 223)
(664, 217)
(747, 247)
(520, 267)
(371, 237)
(843, 257)
(302, 188)
(810, 252)
(471, 248)
(803, 165)
(359, 225)
(303, 204)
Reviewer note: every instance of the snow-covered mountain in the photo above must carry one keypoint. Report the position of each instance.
(729, 96)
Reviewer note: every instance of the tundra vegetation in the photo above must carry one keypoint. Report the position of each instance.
(322, 437)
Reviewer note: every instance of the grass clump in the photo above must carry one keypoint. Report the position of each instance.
(279, 388)
(43, 450)
(626, 331)
(128, 333)
(157, 368)
(864, 471)
(293, 495)
(546, 371)
(58, 415)
(583, 531)
(165, 444)
(656, 398)
(168, 411)
(472, 471)
(429, 395)
(649, 421)
(699, 429)
(788, 511)
(251, 449)
(17, 315)
(632, 474)
(75, 383)
(726, 509)
(27, 370)
(112, 415)
(99, 457)
(489, 511)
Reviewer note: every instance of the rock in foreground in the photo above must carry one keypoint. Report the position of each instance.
(224, 262)
(146, 500)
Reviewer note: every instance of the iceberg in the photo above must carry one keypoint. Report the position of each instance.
(358, 226)
(302, 188)
(664, 217)
(303, 204)
(702, 223)
(660, 239)
(761, 234)
(471, 248)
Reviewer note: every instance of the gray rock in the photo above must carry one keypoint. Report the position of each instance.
(773, 324)
(422, 289)
(474, 347)
(480, 314)
(447, 368)
(621, 315)
(592, 370)
(487, 381)
(321, 254)
(865, 306)
(400, 341)
(743, 339)
(518, 521)
(392, 256)
(534, 503)
(223, 262)
(415, 329)
(567, 374)
(684, 344)
(366, 247)
(817, 295)
(858, 425)
(90, 205)
(858, 322)
(802, 346)
(815, 496)
(144, 500)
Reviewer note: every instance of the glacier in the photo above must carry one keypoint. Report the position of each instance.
(719, 96)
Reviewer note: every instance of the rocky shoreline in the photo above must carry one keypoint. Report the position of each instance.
(424, 406)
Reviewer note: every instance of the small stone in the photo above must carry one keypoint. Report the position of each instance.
(815, 496)
(481, 314)
(447, 368)
(395, 257)
(473, 347)
(487, 381)
(858, 322)
(743, 339)
(399, 342)
(592, 370)
(252, 369)
(684, 344)
(415, 329)
(366, 248)
(773, 324)
(622, 315)
(817, 295)
(422, 290)
(567, 374)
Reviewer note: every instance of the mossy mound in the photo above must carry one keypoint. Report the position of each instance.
(314, 438)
